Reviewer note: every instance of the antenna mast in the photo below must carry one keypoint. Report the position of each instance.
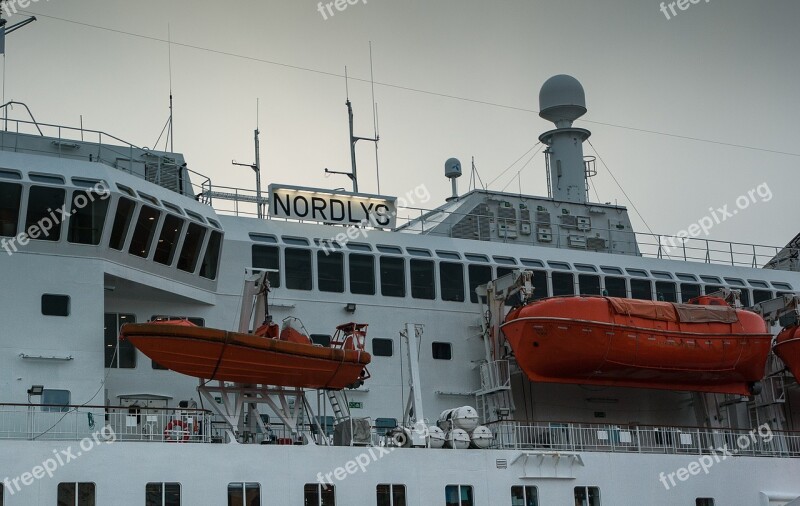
(169, 55)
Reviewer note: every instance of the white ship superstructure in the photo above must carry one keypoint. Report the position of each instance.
(140, 240)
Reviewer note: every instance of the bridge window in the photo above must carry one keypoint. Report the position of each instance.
(162, 494)
(192, 244)
(709, 289)
(589, 284)
(745, 297)
(122, 223)
(666, 291)
(422, 279)
(10, 197)
(689, 291)
(524, 496)
(442, 351)
(758, 284)
(76, 494)
(317, 494)
(330, 272)
(539, 283)
(244, 494)
(144, 231)
(168, 240)
(393, 277)
(504, 271)
(43, 215)
(55, 305)
(641, 289)
(587, 496)
(268, 257)
(382, 347)
(761, 296)
(458, 495)
(86, 224)
(298, 268)
(711, 279)
(478, 275)
(391, 495)
(210, 263)
(563, 283)
(362, 274)
(118, 354)
(615, 287)
(451, 279)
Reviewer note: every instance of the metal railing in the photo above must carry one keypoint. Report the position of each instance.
(73, 423)
(574, 437)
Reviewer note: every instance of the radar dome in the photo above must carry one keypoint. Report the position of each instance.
(452, 168)
(562, 99)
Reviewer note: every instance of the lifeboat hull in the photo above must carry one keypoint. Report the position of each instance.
(244, 358)
(787, 347)
(590, 340)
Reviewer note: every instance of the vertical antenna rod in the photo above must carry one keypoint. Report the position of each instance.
(169, 56)
(376, 135)
(353, 139)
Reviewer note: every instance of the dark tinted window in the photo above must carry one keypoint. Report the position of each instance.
(43, 205)
(451, 279)
(422, 279)
(641, 289)
(162, 494)
(330, 272)
(382, 347)
(144, 231)
(168, 240)
(745, 297)
(709, 289)
(321, 339)
(689, 291)
(122, 222)
(442, 351)
(210, 263)
(539, 283)
(244, 494)
(118, 354)
(391, 495)
(190, 251)
(666, 291)
(615, 287)
(478, 275)
(362, 274)
(589, 284)
(55, 305)
(268, 257)
(393, 277)
(524, 496)
(76, 494)
(10, 197)
(563, 283)
(761, 296)
(315, 494)
(89, 215)
(298, 268)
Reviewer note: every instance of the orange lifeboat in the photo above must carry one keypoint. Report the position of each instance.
(705, 347)
(287, 358)
(787, 347)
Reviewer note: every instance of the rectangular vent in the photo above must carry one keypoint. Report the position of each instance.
(502, 463)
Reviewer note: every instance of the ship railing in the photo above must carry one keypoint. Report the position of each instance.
(111, 423)
(555, 436)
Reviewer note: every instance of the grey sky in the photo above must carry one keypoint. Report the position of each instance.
(724, 71)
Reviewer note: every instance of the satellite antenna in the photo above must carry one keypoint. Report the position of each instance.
(452, 170)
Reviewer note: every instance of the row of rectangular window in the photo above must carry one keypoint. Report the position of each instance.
(330, 275)
(87, 218)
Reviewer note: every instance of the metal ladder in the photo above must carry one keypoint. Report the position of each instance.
(339, 405)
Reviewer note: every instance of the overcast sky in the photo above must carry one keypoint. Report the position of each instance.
(723, 71)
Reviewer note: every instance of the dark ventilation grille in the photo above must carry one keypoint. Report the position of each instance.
(595, 243)
(569, 221)
(542, 217)
(501, 463)
(475, 225)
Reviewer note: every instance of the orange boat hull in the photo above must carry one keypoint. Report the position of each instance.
(787, 347)
(203, 353)
(585, 340)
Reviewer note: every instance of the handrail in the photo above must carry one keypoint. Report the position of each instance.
(12, 102)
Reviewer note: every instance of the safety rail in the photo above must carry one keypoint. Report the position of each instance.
(578, 437)
(119, 423)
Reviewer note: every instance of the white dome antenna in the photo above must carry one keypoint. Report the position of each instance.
(452, 171)
(562, 101)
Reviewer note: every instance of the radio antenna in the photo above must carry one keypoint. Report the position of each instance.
(376, 135)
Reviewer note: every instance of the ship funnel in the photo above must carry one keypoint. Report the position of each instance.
(562, 101)
(452, 170)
